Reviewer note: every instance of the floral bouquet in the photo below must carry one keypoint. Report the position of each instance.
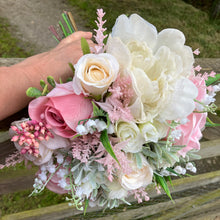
(131, 116)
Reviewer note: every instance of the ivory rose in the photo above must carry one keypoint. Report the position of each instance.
(94, 73)
(61, 109)
(129, 131)
(157, 64)
(139, 177)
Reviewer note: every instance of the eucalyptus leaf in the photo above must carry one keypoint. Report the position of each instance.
(85, 46)
(138, 160)
(33, 92)
(149, 153)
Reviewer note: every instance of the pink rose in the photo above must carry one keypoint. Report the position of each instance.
(61, 109)
(191, 131)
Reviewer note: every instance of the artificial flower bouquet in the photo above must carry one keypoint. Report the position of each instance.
(131, 116)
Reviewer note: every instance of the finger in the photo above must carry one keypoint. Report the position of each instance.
(77, 36)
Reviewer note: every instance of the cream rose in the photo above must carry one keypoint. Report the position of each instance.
(155, 61)
(116, 191)
(139, 177)
(129, 131)
(94, 73)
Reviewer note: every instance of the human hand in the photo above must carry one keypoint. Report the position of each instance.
(55, 62)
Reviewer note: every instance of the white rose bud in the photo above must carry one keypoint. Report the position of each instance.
(149, 132)
(129, 131)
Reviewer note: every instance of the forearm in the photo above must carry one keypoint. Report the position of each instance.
(15, 80)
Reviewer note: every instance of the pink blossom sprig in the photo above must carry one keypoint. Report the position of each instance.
(111, 164)
(117, 104)
(29, 135)
(140, 194)
(99, 37)
(12, 160)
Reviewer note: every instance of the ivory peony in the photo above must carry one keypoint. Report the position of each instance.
(156, 62)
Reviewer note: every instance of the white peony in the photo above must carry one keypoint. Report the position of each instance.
(94, 73)
(139, 177)
(156, 62)
(129, 131)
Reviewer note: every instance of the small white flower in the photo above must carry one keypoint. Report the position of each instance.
(183, 121)
(111, 129)
(60, 158)
(178, 169)
(193, 170)
(90, 126)
(51, 168)
(61, 173)
(183, 171)
(176, 134)
(43, 168)
(62, 183)
(42, 176)
(165, 172)
(101, 125)
(81, 129)
(189, 166)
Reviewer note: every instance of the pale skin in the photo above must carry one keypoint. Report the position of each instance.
(16, 79)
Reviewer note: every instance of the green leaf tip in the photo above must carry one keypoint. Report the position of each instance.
(106, 143)
(85, 46)
(162, 182)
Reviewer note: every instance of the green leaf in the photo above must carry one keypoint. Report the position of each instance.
(98, 112)
(106, 143)
(86, 205)
(33, 92)
(85, 46)
(51, 81)
(162, 182)
(72, 68)
(209, 124)
(212, 80)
